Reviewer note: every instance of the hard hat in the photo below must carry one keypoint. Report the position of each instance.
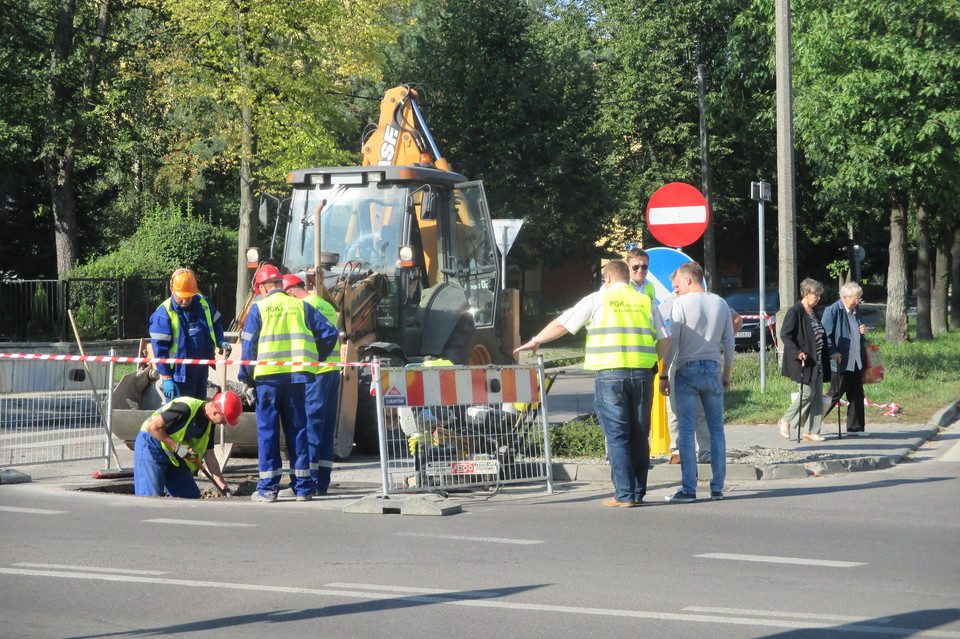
(183, 283)
(266, 273)
(229, 404)
(291, 281)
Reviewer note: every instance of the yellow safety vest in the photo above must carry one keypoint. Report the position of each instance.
(284, 336)
(175, 323)
(326, 309)
(198, 444)
(649, 291)
(623, 337)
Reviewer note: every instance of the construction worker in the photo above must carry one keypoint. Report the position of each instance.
(186, 326)
(287, 331)
(322, 396)
(173, 441)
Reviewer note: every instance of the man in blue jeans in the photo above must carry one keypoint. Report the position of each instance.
(625, 338)
(702, 344)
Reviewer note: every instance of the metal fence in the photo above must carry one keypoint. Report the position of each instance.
(40, 428)
(108, 308)
(457, 427)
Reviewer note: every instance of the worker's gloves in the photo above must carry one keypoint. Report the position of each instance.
(192, 457)
(249, 394)
(169, 388)
(225, 349)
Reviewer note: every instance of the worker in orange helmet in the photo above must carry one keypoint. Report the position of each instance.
(186, 326)
(173, 441)
(282, 333)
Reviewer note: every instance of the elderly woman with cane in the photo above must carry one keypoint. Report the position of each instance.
(805, 361)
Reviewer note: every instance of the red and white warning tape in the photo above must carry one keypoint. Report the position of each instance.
(892, 408)
(169, 360)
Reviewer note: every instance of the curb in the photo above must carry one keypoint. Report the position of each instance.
(789, 470)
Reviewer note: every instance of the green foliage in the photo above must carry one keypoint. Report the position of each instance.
(921, 377)
(96, 320)
(166, 240)
(582, 438)
(512, 103)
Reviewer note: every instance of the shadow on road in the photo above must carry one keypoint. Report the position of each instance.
(904, 625)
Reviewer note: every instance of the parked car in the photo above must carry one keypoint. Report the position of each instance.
(747, 302)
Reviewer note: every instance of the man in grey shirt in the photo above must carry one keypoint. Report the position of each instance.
(701, 357)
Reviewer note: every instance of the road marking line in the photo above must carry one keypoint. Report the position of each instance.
(404, 589)
(492, 540)
(782, 560)
(952, 455)
(501, 605)
(197, 522)
(124, 571)
(774, 613)
(32, 511)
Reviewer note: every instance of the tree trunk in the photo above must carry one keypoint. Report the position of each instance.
(58, 157)
(247, 231)
(955, 280)
(897, 329)
(61, 137)
(924, 331)
(938, 296)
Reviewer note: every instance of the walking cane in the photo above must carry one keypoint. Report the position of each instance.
(803, 364)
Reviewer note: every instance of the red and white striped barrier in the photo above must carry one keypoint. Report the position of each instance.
(168, 360)
(455, 386)
(892, 408)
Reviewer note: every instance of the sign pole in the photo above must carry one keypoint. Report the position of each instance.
(760, 191)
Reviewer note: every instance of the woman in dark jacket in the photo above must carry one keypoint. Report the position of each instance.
(805, 361)
(848, 352)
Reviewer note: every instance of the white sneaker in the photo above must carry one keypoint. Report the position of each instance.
(858, 433)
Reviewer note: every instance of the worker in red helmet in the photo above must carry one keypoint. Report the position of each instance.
(186, 326)
(283, 334)
(174, 443)
(322, 395)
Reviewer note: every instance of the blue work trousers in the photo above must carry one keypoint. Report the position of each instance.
(700, 381)
(623, 410)
(195, 382)
(322, 398)
(153, 471)
(281, 407)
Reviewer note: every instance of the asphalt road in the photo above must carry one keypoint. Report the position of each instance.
(861, 554)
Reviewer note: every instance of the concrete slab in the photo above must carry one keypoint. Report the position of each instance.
(429, 504)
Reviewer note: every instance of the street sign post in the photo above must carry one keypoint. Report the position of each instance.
(677, 214)
(505, 233)
(760, 191)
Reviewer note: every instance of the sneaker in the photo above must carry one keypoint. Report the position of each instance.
(287, 492)
(307, 497)
(263, 497)
(716, 495)
(858, 433)
(813, 437)
(681, 497)
(784, 428)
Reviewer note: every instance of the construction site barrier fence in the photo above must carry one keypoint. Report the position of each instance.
(56, 426)
(447, 428)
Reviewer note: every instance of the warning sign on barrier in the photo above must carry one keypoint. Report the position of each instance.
(477, 467)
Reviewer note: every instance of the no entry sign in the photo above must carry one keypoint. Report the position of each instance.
(677, 214)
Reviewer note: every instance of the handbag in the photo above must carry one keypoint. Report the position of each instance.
(873, 366)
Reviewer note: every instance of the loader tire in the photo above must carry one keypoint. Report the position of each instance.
(471, 347)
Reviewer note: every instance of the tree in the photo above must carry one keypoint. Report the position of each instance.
(877, 112)
(509, 102)
(267, 68)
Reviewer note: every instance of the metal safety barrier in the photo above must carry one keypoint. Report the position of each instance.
(446, 428)
(54, 426)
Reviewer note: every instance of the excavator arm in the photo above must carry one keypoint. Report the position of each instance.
(402, 137)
